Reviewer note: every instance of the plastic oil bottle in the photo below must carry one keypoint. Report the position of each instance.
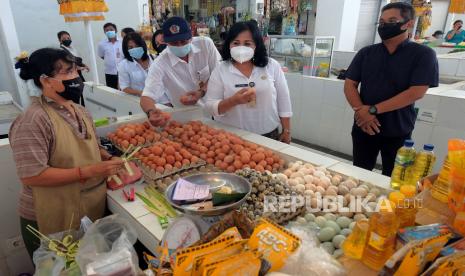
(406, 208)
(381, 240)
(423, 165)
(355, 243)
(457, 175)
(401, 174)
(440, 188)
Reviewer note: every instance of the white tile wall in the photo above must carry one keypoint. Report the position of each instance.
(461, 68)
(422, 134)
(295, 89)
(451, 113)
(448, 66)
(333, 93)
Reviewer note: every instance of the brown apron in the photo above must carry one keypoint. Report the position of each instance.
(56, 206)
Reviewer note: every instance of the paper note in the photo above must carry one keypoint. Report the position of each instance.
(186, 190)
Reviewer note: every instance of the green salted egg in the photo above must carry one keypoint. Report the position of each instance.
(346, 232)
(321, 221)
(326, 234)
(343, 221)
(337, 240)
(330, 216)
(310, 217)
(333, 225)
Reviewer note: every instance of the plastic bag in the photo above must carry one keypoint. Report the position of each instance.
(310, 259)
(107, 248)
(48, 263)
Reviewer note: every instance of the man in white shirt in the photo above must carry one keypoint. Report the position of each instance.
(182, 70)
(110, 50)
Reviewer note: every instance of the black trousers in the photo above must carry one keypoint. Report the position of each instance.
(366, 149)
(111, 81)
(273, 135)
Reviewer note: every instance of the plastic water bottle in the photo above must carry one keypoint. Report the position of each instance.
(401, 174)
(424, 163)
(440, 188)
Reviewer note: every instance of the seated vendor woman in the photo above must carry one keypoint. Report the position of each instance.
(56, 150)
(248, 89)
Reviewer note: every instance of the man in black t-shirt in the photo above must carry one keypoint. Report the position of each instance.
(392, 75)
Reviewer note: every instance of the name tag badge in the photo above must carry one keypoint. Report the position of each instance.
(250, 84)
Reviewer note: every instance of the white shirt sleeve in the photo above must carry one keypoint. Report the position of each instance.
(214, 56)
(215, 92)
(282, 90)
(154, 83)
(124, 78)
(100, 50)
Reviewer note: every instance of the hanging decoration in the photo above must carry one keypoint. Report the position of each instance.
(457, 6)
(82, 10)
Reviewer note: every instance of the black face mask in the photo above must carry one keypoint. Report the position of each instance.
(160, 48)
(390, 30)
(73, 90)
(66, 42)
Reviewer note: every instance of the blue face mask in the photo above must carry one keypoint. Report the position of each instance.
(180, 51)
(136, 53)
(110, 34)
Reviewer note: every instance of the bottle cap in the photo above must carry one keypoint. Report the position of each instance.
(409, 143)
(428, 147)
(408, 190)
(396, 197)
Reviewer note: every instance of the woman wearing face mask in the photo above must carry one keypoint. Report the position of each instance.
(158, 43)
(248, 90)
(457, 34)
(133, 68)
(65, 43)
(56, 150)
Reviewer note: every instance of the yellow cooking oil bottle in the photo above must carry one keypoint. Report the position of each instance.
(401, 174)
(355, 243)
(381, 239)
(440, 188)
(406, 207)
(424, 163)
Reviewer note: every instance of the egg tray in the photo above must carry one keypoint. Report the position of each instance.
(151, 176)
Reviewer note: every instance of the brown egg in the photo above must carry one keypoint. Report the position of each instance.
(177, 164)
(226, 148)
(203, 156)
(186, 162)
(252, 164)
(230, 169)
(223, 166)
(170, 159)
(211, 154)
(161, 161)
(259, 168)
(237, 164)
(141, 140)
(269, 168)
(257, 157)
(194, 160)
(269, 161)
(207, 143)
(169, 150)
(178, 156)
(245, 159)
(218, 163)
(263, 163)
(133, 142)
(157, 150)
(229, 159)
(168, 167)
(160, 169)
(125, 144)
(210, 161)
(203, 149)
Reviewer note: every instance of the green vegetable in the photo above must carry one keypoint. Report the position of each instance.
(222, 198)
(160, 198)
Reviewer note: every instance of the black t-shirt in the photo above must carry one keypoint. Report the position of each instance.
(383, 75)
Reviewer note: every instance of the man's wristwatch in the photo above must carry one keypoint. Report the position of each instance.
(373, 110)
(148, 112)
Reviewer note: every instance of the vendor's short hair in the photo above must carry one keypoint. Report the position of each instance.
(406, 10)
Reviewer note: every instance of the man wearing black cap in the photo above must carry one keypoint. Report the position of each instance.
(182, 70)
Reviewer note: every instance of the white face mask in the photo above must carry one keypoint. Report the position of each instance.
(242, 54)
